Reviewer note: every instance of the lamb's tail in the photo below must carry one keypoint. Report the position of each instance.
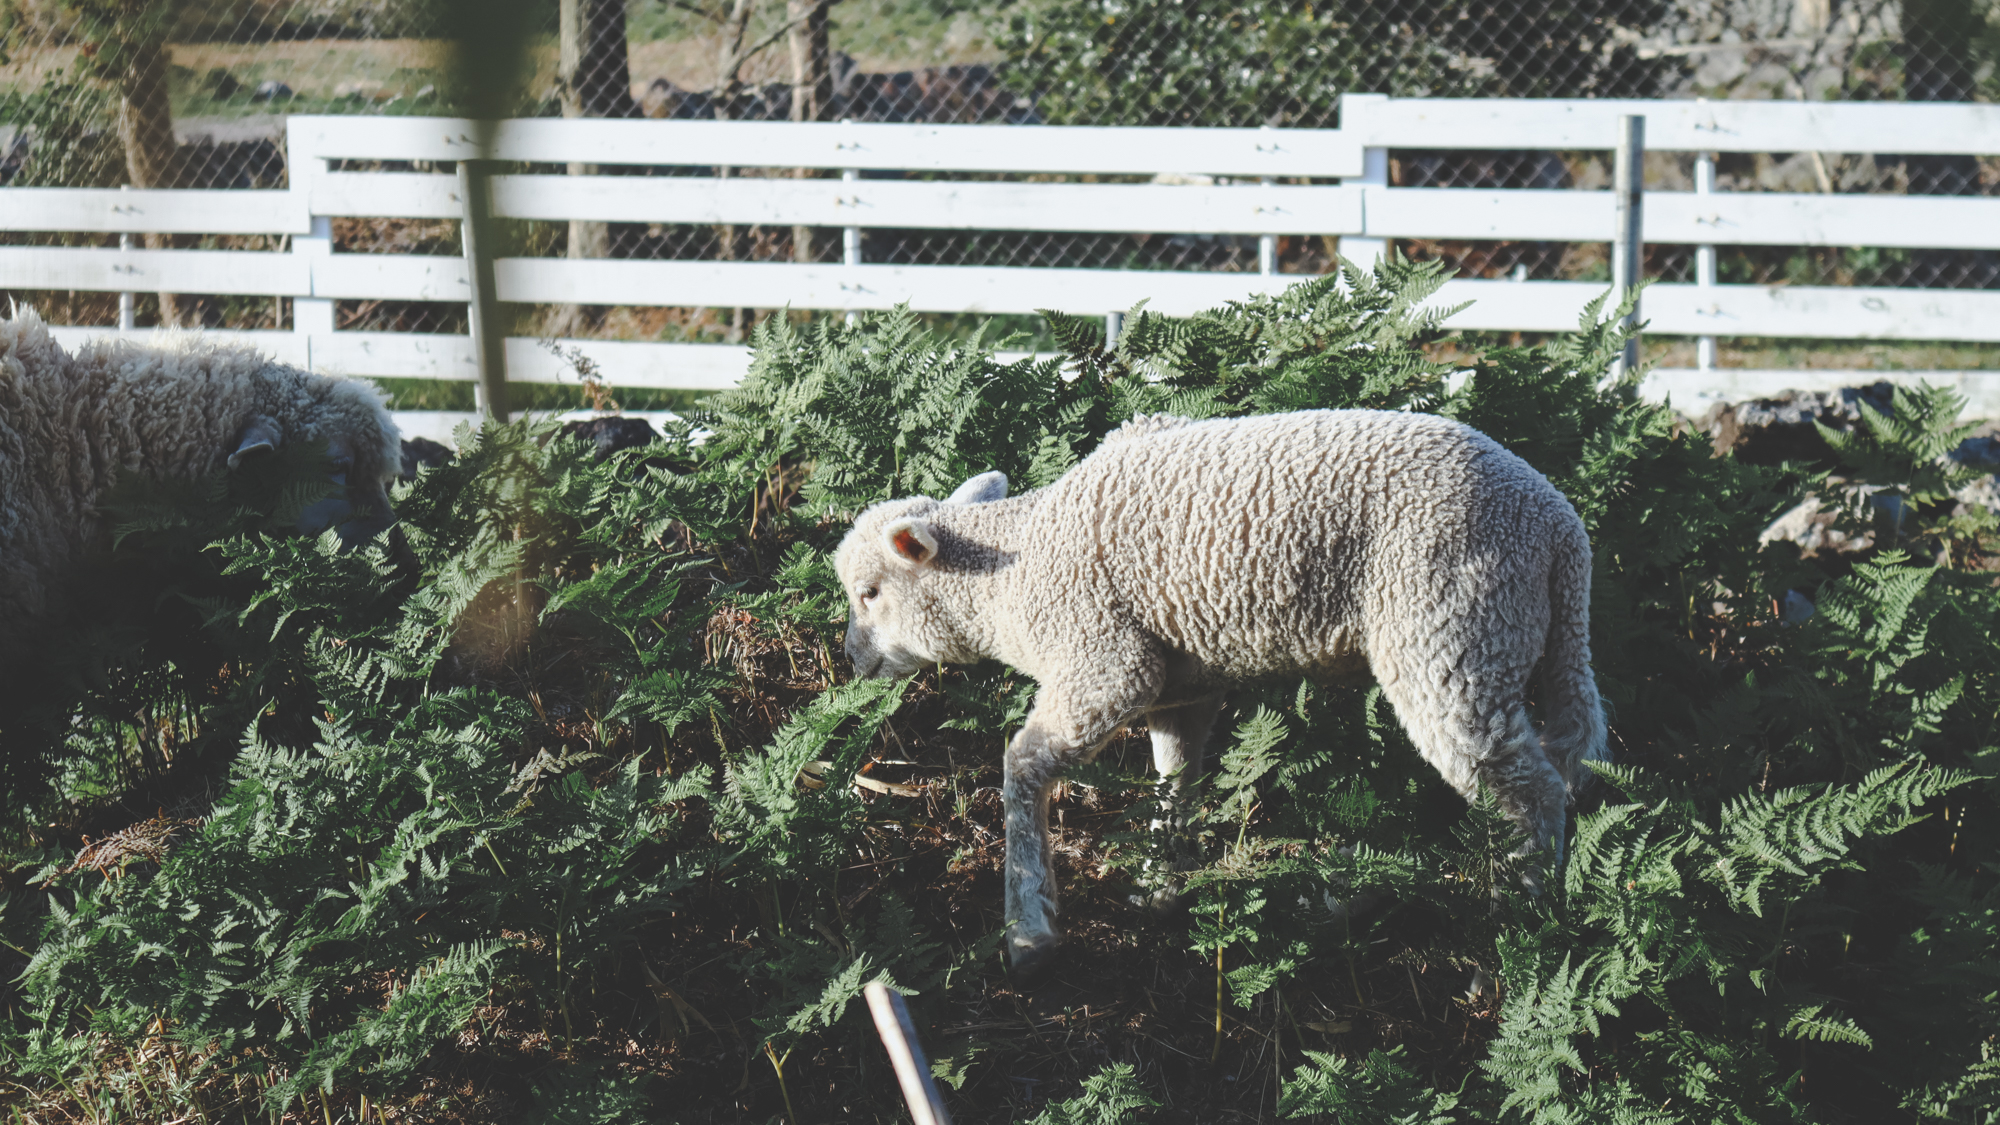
(1573, 731)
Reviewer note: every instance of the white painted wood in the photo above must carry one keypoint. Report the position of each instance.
(160, 211)
(416, 355)
(1674, 126)
(285, 347)
(441, 425)
(1777, 219)
(1738, 310)
(1759, 218)
(1480, 213)
(673, 367)
(406, 195)
(834, 145)
(1735, 218)
(937, 205)
(1729, 310)
(1374, 179)
(832, 286)
(1693, 391)
(171, 271)
(395, 277)
(1825, 312)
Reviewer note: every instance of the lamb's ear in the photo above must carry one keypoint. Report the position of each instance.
(980, 489)
(260, 436)
(911, 540)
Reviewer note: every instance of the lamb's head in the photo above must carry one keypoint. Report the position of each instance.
(889, 564)
(363, 447)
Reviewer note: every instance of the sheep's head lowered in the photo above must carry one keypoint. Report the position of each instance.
(889, 564)
(197, 404)
(362, 459)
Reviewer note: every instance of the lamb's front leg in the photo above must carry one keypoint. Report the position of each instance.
(1048, 742)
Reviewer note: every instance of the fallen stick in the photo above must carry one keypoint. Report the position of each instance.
(899, 1037)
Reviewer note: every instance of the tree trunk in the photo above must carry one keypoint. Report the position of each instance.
(812, 87)
(596, 81)
(146, 129)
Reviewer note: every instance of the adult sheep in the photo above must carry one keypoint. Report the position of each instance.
(1182, 557)
(70, 423)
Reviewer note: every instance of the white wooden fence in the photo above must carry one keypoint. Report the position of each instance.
(1360, 208)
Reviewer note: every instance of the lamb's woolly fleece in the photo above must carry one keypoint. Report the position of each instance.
(68, 424)
(1181, 557)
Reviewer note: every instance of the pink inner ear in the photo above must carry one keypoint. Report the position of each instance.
(908, 545)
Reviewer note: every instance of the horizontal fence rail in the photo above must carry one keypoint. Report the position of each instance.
(1202, 182)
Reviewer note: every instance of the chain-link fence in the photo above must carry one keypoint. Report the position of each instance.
(154, 93)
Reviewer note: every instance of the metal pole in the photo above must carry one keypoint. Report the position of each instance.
(1114, 327)
(126, 316)
(1267, 246)
(1704, 257)
(899, 1037)
(1628, 248)
(850, 237)
(489, 344)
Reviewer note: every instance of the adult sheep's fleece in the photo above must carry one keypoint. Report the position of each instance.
(70, 423)
(1182, 557)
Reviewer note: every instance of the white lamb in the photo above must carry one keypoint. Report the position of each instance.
(69, 424)
(1182, 557)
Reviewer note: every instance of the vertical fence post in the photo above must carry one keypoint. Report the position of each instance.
(311, 316)
(1267, 244)
(489, 343)
(1704, 257)
(1628, 248)
(850, 237)
(127, 320)
(1364, 251)
(1114, 327)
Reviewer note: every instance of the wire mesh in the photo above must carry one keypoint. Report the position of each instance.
(195, 94)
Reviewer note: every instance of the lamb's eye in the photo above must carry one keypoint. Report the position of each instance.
(869, 593)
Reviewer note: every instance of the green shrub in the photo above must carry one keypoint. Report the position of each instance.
(564, 788)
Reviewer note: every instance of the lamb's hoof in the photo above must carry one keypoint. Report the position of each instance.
(1162, 903)
(1482, 988)
(1029, 966)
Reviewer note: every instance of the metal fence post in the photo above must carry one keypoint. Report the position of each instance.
(850, 237)
(1267, 244)
(489, 343)
(1628, 247)
(126, 315)
(1704, 257)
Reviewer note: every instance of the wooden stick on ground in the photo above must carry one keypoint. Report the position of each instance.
(899, 1037)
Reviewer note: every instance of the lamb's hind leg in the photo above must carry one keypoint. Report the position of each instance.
(1473, 727)
(1180, 736)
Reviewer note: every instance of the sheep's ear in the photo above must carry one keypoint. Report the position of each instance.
(259, 437)
(981, 489)
(911, 540)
